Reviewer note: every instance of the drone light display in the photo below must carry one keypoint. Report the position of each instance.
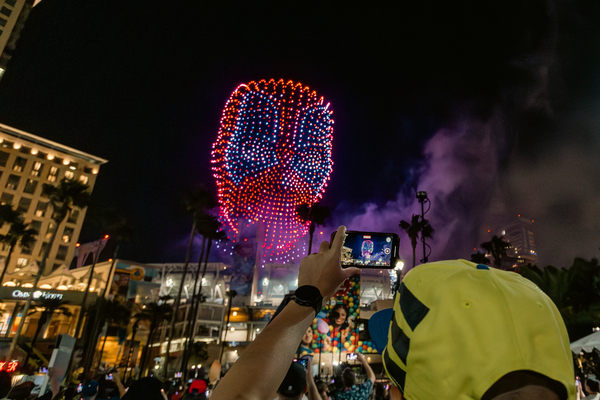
(272, 154)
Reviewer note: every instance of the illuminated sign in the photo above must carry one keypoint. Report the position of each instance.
(38, 294)
(9, 366)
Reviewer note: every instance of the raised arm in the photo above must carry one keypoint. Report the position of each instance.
(368, 370)
(313, 392)
(117, 380)
(262, 366)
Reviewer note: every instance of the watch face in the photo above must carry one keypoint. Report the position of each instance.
(308, 293)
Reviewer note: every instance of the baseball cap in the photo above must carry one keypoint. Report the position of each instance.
(457, 328)
(197, 384)
(89, 389)
(294, 382)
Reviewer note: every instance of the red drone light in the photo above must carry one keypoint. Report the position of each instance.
(272, 154)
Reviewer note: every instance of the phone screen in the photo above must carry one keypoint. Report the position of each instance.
(370, 249)
(302, 361)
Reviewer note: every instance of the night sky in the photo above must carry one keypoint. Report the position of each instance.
(492, 108)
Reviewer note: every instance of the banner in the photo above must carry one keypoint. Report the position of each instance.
(335, 329)
(119, 287)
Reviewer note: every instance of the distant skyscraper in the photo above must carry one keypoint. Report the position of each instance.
(520, 235)
(26, 163)
(13, 14)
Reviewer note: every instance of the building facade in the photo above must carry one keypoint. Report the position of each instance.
(520, 235)
(26, 163)
(13, 14)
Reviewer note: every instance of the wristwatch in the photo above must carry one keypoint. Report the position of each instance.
(309, 296)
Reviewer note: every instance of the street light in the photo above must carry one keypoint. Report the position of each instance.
(422, 198)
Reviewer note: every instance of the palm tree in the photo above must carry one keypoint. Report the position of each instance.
(198, 203)
(497, 248)
(418, 227)
(231, 294)
(210, 229)
(555, 282)
(316, 214)
(574, 290)
(156, 313)
(49, 307)
(69, 193)
(119, 230)
(113, 313)
(19, 232)
(115, 227)
(8, 216)
(480, 258)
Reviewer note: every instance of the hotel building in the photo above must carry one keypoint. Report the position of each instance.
(26, 163)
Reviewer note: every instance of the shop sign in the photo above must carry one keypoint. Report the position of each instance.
(38, 294)
(9, 366)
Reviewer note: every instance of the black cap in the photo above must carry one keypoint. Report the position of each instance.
(294, 382)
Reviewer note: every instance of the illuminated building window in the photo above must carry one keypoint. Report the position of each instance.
(61, 253)
(19, 164)
(84, 179)
(3, 158)
(67, 234)
(36, 169)
(30, 186)
(24, 204)
(73, 217)
(13, 182)
(6, 198)
(41, 209)
(50, 230)
(69, 174)
(53, 174)
(6, 11)
(22, 262)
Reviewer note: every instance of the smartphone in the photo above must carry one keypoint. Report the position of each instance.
(108, 377)
(351, 356)
(302, 361)
(79, 388)
(370, 249)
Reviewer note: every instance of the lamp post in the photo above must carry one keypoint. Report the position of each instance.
(422, 198)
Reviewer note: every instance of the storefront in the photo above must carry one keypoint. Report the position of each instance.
(56, 310)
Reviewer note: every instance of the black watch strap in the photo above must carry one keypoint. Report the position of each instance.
(309, 296)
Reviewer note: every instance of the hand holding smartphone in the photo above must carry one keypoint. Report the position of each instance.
(369, 249)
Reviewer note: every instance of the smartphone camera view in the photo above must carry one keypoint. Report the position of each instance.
(370, 249)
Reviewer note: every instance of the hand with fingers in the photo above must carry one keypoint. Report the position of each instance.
(323, 269)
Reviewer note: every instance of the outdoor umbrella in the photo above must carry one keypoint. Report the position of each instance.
(587, 343)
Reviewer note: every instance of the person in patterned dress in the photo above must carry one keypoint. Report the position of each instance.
(351, 390)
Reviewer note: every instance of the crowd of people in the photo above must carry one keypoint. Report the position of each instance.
(103, 388)
(457, 330)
